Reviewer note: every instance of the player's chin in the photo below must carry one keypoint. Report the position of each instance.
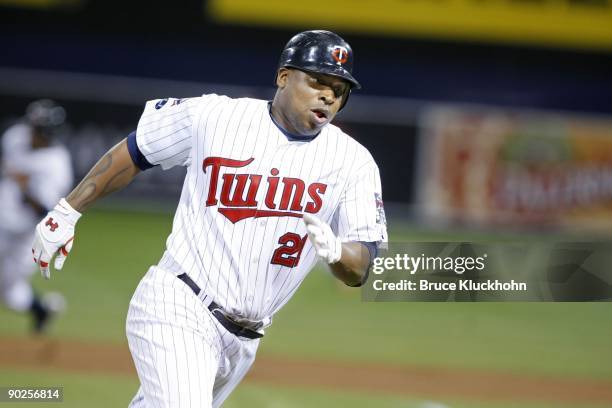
(308, 128)
(315, 125)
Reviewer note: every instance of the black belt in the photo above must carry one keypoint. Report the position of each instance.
(216, 311)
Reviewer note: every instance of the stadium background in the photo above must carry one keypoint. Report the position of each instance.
(459, 98)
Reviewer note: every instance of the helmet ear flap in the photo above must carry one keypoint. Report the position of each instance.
(345, 99)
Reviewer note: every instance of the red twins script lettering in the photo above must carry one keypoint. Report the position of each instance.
(235, 205)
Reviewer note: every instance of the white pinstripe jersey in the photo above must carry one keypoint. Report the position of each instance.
(237, 231)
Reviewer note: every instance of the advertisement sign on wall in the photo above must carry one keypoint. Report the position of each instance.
(508, 168)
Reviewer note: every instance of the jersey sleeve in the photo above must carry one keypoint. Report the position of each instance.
(165, 129)
(360, 215)
(16, 140)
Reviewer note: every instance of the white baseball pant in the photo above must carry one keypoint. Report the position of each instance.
(16, 268)
(184, 357)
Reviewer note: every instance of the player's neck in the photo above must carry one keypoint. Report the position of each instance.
(39, 141)
(284, 126)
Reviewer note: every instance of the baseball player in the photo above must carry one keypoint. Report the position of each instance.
(35, 174)
(270, 188)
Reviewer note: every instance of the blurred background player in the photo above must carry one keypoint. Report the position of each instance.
(35, 172)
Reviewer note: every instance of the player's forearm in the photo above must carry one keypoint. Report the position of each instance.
(353, 264)
(113, 171)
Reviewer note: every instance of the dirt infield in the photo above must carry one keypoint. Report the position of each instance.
(420, 382)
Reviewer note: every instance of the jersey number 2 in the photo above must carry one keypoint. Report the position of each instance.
(288, 254)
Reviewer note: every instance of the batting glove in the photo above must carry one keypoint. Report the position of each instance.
(325, 242)
(55, 235)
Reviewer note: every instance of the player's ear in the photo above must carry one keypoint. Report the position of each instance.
(282, 76)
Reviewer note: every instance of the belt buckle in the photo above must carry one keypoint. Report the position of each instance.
(240, 328)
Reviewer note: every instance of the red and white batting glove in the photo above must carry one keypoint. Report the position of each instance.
(325, 242)
(55, 235)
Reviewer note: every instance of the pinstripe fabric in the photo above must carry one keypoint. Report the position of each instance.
(183, 356)
(239, 246)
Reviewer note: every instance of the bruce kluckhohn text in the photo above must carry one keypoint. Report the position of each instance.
(425, 266)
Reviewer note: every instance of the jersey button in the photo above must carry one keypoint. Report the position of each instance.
(262, 223)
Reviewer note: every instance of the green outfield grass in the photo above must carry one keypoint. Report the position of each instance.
(326, 321)
(90, 390)
(101, 391)
(255, 395)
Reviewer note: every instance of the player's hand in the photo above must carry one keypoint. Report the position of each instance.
(325, 242)
(54, 235)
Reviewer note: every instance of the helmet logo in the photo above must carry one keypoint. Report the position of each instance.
(340, 54)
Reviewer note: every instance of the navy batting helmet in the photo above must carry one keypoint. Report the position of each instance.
(322, 52)
(45, 114)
